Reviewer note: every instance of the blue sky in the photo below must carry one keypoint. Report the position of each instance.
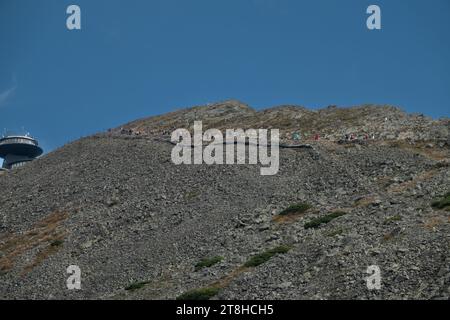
(139, 58)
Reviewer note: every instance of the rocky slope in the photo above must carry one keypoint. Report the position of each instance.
(137, 225)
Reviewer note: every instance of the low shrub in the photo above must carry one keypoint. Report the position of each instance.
(442, 203)
(56, 243)
(315, 223)
(207, 262)
(265, 256)
(136, 285)
(296, 209)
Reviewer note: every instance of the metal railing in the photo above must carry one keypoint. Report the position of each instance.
(12, 140)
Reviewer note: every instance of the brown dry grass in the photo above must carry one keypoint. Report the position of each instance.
(384, 181)
(424, 176)
(289, 218)
(40, 257)
(389, 236)
(43, 232)
(435, 221)
(420, 148)
(225, 280)
(364, 202)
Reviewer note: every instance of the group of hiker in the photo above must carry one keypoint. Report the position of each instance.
(295, 136)
(352, 137)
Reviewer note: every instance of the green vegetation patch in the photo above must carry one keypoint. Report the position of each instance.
(266, 255)
(56, 243)
(199, 294)
(298, 208)
(443, 203)
(136, 285)
(192, 194)
(393, 218)
(207, 262)
(315, 223)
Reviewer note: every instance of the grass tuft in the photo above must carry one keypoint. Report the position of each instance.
(392, 219)
(207, 262)
(315, 223)
(443, 203)
(296, 209)
(265, 256)
(136, 285)
(56, 243)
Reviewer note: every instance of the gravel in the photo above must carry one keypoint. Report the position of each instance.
(126, 214)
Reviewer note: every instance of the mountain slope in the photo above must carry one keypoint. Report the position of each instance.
(115, 205)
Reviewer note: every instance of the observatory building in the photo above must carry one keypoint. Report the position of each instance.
(18, 150)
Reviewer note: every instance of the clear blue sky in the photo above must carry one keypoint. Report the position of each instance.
(139, 58)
